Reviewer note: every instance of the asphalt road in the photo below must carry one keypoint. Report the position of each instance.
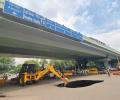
(99, 87)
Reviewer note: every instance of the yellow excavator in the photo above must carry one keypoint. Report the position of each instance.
(29, 74)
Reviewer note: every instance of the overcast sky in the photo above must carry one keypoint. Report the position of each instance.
(96, 18)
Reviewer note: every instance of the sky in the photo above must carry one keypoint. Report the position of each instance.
(94, 18)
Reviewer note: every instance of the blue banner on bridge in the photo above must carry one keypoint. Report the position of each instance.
(13, 9)
(32, 17)
(27, 15)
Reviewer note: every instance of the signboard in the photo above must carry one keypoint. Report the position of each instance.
(13, 9)
(2, 3)
(32, 17)
(27, 15)
(49, 24)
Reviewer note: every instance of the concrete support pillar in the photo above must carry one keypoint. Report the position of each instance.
(106, 63)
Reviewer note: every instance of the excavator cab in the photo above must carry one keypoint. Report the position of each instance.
(29, 74)
(29, 68)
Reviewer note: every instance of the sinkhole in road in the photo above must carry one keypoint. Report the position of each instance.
(80, 83)
(2, 96)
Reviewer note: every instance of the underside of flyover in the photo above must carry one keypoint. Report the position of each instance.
(24, 49)
(17, 39)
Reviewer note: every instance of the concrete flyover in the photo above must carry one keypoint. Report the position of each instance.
(22, 38)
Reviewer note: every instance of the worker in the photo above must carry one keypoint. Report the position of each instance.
(108, 71)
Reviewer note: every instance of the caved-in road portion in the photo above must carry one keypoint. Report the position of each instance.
(80, 83)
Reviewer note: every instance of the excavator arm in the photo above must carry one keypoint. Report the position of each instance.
(26, 76)
(51, 69)
(40, 74)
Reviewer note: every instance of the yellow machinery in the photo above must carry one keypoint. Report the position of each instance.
(3, 80)
(92, 71)
(28, 73)
(68, 73)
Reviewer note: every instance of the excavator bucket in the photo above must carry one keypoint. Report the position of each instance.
(62, 77)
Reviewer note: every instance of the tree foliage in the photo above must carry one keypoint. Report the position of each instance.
(91, 64)
(6, 64)
(63, 63)
(42, 62)
(16, 69)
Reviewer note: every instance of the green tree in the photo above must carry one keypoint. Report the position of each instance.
(60, 64)
(42, 62)
(69, 63)
(91, 64)
(16, 69)
(6, 64)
